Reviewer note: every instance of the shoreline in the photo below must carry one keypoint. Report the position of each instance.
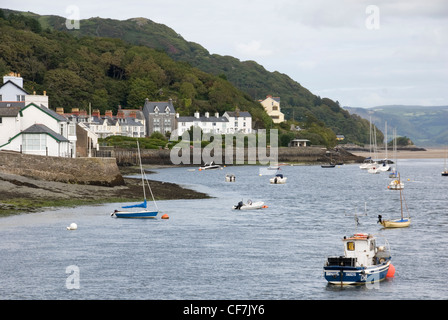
(19, 194)
(429, 153)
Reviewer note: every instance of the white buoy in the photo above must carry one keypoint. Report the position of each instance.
(73, 226)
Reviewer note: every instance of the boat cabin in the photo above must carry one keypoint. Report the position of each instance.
(360, 246)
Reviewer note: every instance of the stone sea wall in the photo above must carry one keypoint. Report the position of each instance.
(89, 171)
(307, 155)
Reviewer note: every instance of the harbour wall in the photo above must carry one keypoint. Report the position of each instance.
(304, 155)
(89, 171)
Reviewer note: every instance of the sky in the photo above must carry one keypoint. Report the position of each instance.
(360, 53)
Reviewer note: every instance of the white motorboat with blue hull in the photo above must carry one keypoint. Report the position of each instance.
(363, 262)
(348, 275)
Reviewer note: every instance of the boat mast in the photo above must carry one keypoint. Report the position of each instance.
(141, 170)
(401, 199)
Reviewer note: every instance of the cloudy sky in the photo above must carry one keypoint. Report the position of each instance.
(361, 53)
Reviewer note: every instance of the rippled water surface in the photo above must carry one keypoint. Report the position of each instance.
(208, 251)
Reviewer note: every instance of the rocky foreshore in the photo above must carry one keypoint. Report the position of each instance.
(19, 194)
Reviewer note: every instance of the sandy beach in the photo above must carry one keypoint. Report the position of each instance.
(404, 154)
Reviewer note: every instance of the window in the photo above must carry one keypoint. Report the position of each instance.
(71, 130)
(350, 246)
(34, 142)
(1, 120)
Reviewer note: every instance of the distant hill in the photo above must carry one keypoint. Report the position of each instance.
(250, 77)
(425, 126)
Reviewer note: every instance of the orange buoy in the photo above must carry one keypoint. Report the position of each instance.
(264, 207)
(165, 216)
(391, 271)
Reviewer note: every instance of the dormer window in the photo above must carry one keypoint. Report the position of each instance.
(167, 110)
(156, 110)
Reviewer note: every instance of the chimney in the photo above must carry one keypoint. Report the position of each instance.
(207, 114)
(133, 114)
(177, 115)
(109, 113)
(217, 114)
(96, 113)
(60, 110)
(75, 111)
(120, 113)
(45, 93)
(196, 115)
(83, 113)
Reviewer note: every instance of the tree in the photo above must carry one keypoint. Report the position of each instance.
(139, 90)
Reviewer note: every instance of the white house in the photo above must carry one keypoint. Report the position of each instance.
(37, 130)
(27, 124)
(129, 123)
(12, 88)
(230, 122)
(239, 121)
(208, 124)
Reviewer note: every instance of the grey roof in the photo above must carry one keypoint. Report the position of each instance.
(48, 111)
(202, 119)
(9, 111)
(162, 105)
(139, 113)
(113, 121)
(40, 128)
(7, 104)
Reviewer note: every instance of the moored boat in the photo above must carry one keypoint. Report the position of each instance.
(144, 212)
(230, 178)
(278, 179)
(249, 205)
(363, 261)
(209, 166)
(397, 223)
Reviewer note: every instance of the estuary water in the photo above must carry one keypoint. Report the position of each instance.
(206, 250)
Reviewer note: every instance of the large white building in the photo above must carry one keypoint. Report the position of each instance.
(27, 125)
(229, 123)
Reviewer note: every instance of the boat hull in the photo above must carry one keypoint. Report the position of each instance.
(346, 275)
(278, 180)
(399, 223)
(253, 206)
(136, 214)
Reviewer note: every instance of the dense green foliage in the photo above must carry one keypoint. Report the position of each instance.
(155, 141)
(109, 72)
(109, 63)
(248, 76)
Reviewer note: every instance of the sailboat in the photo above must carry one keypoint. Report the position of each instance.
(397, 223)
(385, 163)
(445, 172)
(139, 210)
(368, 162)
(394, 172)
